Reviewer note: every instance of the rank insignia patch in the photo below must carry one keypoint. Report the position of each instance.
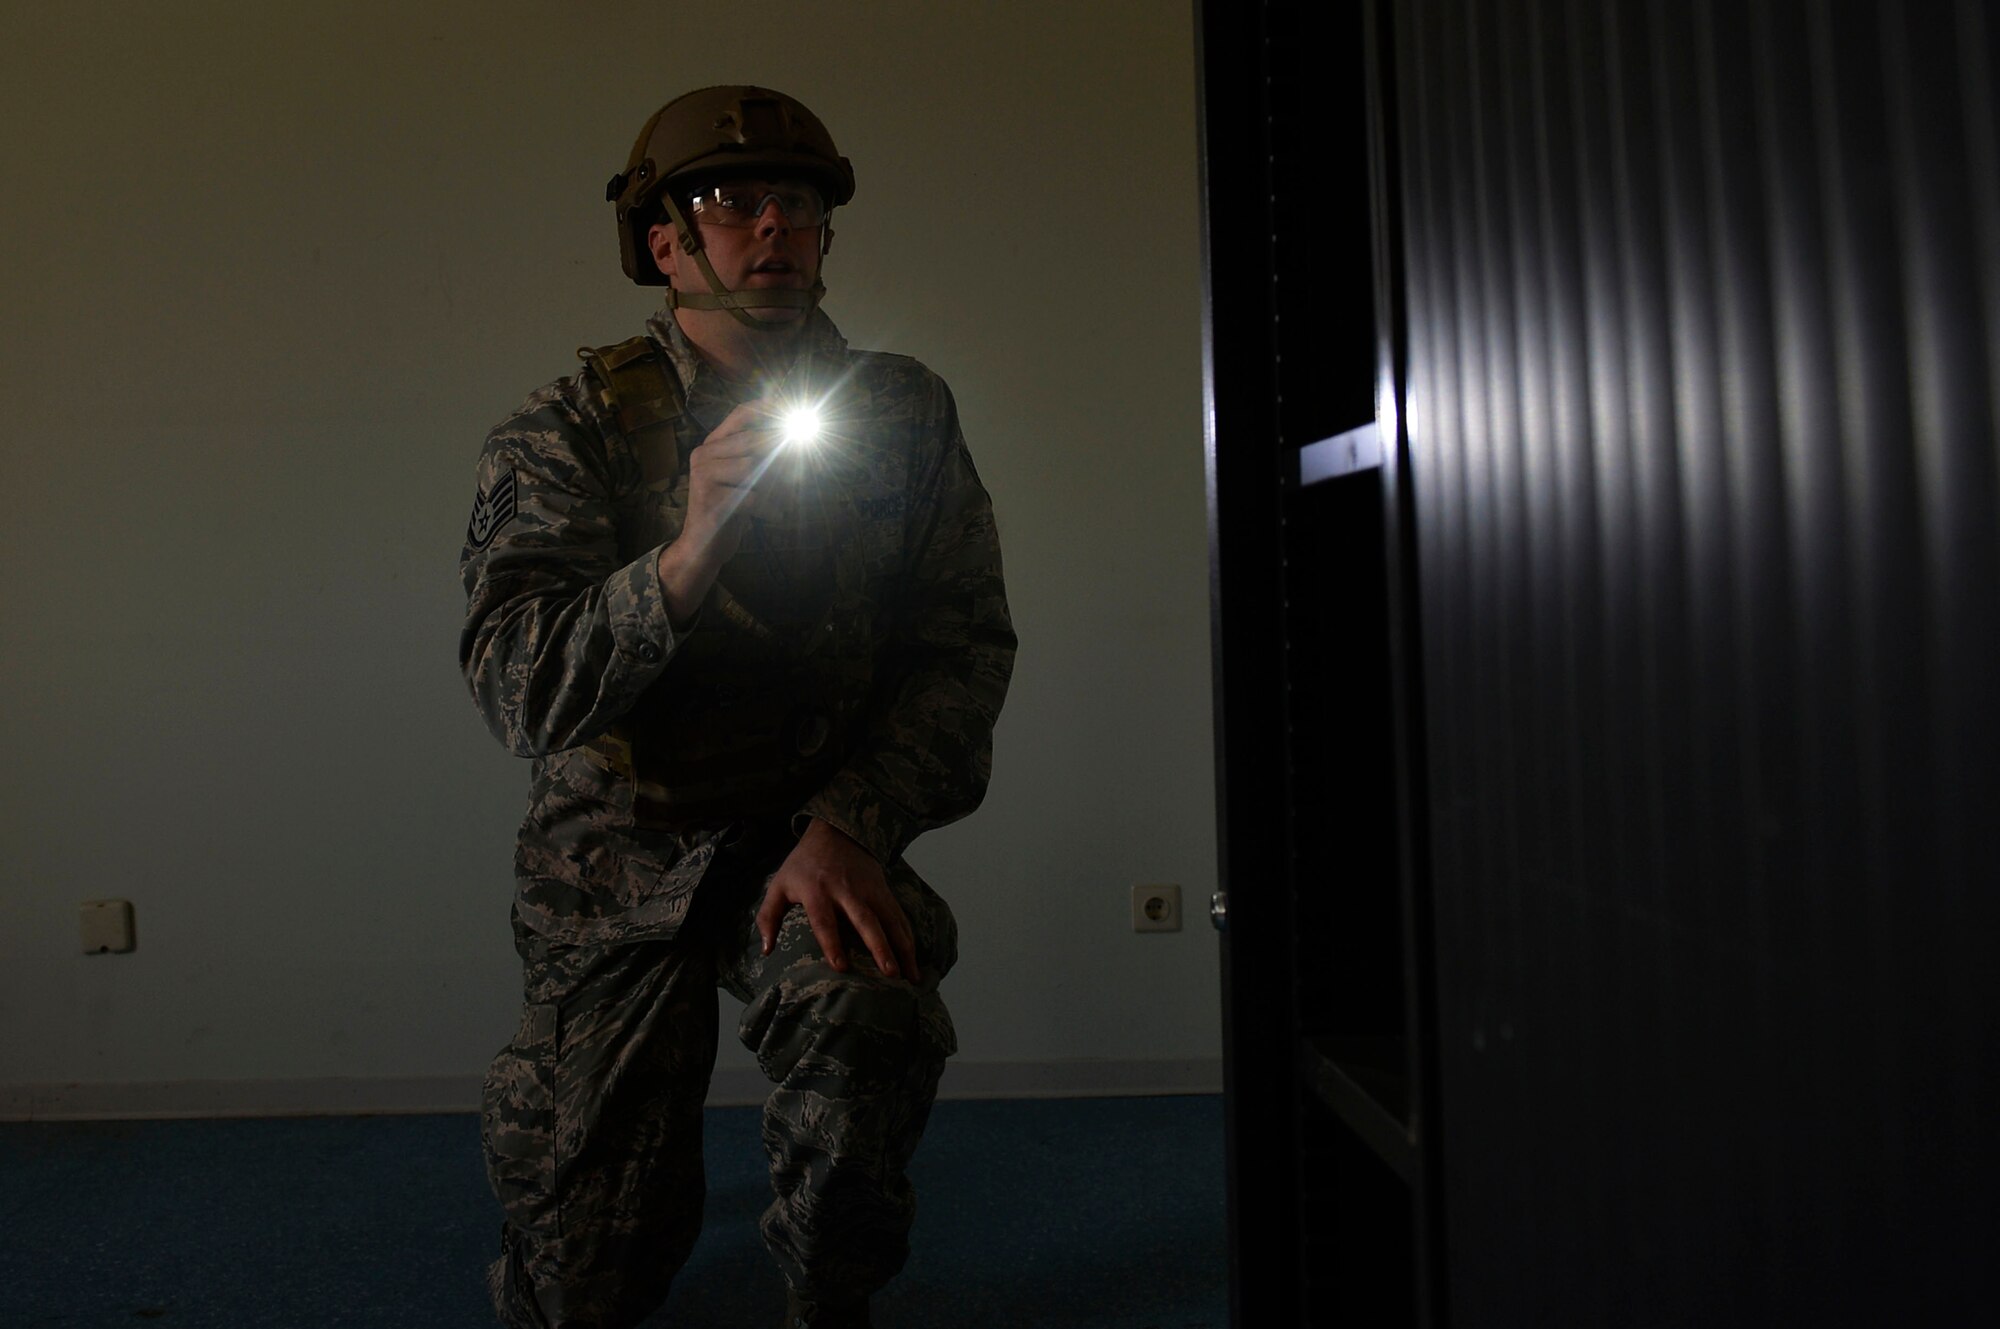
(492, 508)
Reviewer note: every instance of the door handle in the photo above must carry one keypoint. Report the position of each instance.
(1218, 910)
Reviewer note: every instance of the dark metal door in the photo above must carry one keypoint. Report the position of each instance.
(1704, 311)
(1610, 793)
(1324, 955)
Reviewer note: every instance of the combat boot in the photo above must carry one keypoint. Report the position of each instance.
(803, 1314)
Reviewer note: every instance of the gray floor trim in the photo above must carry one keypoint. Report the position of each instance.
(732, 1087)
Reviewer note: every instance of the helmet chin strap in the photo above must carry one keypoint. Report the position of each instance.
(719, 296)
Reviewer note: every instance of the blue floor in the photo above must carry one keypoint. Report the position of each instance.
(1070, 1214)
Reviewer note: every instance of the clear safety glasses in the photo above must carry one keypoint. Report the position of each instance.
(742, 203)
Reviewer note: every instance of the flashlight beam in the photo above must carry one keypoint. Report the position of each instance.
(801, 424)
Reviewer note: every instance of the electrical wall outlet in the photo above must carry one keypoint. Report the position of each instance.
(1156, 908)
(107, 926)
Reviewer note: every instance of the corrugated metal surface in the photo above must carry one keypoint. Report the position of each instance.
(1704, 339)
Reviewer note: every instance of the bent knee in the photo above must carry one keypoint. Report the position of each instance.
(857, 1026)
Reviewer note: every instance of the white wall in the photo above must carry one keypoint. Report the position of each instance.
(269, 275)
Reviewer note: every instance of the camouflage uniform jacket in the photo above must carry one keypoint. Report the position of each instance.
(568, 650)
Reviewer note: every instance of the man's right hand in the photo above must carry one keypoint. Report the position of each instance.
(724, 474)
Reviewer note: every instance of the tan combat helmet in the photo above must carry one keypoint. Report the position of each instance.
(736, 130)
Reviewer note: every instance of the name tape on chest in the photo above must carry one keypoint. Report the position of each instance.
(492, 508)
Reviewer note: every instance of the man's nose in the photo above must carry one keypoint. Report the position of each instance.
(771, 219)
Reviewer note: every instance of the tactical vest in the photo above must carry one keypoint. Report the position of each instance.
(760, 704)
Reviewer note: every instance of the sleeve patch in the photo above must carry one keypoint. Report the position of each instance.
(492, 508)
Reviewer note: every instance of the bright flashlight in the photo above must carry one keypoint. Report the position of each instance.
(801, 425)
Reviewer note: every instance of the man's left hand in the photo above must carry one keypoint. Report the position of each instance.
(834, 878)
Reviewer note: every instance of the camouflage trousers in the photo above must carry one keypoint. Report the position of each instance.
(592, 1114)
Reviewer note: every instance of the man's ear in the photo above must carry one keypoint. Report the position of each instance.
(664, 244)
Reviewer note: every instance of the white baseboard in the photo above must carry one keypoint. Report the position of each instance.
(731, 1087)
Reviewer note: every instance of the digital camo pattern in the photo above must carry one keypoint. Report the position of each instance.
(887, 546)
(592, 1115)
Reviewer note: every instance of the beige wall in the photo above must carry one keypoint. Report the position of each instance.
(270, 274)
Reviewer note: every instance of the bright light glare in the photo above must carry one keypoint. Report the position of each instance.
(801, 425)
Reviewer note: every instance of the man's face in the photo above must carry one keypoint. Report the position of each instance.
(756, 236)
